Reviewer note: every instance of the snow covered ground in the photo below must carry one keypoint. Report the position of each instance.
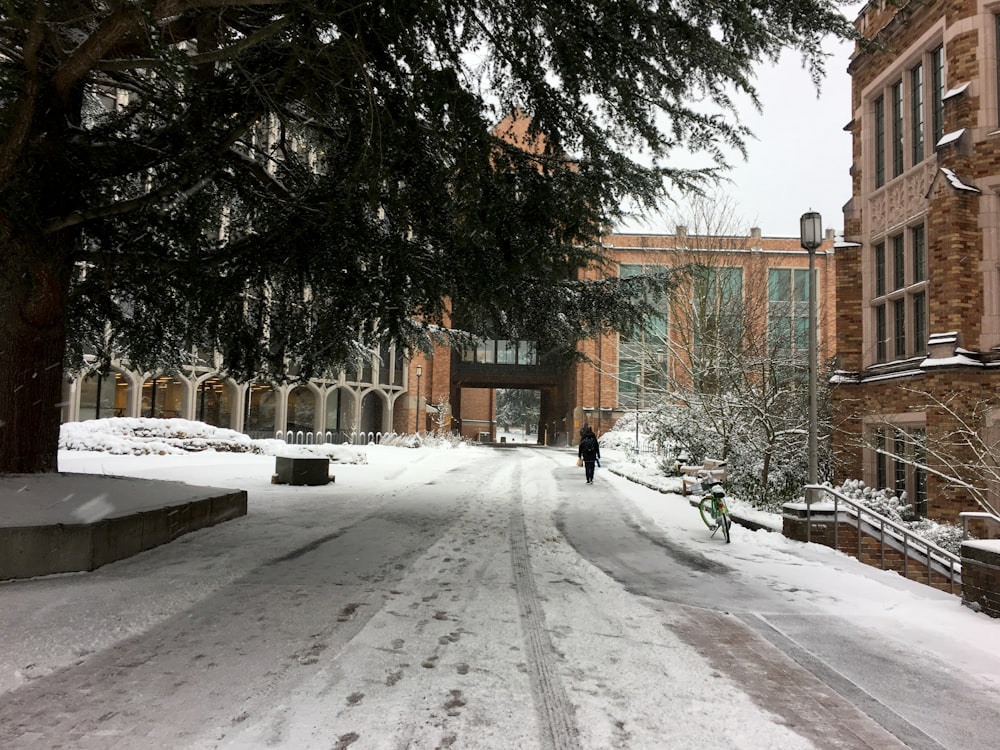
(628, 666)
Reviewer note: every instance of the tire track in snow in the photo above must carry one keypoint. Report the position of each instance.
(555, 712)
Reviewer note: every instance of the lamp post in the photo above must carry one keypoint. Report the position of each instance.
(638, 385)
(416, 409)
(811, 236)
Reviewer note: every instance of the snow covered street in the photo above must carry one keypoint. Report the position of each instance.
(482, 597)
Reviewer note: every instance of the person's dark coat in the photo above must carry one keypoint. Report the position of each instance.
(589, 448)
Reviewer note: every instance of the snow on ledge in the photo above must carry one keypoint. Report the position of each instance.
(955, 91)
(990, 545)
(956, 181)
(950, 137)
(959, 360)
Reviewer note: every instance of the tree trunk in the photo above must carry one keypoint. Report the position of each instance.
(34, 280)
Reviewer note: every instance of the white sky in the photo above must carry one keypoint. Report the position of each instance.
(801, 157)
(617, 648)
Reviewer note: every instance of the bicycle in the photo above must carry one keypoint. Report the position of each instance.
(713, 509)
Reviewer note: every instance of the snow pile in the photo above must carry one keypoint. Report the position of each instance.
(147, 436)
(427, 440)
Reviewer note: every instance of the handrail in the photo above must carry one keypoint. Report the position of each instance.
(966, 515)
(932, 551)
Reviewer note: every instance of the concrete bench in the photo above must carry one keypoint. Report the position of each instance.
(301, 470)
(711, 468)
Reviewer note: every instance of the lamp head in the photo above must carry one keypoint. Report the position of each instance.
(811, 230)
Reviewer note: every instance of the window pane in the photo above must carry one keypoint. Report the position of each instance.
(899, 464)
(919, 254)
(899, 313)
(801, 286)
(917, 113)
(779, 281)
(628, 371)
(898, 262)
(879, 142)
(780, 333)
(880, 460)
(802, 334)
(880, 269)
(526, 353)
(897, 129)
(937, 93)
(880, 334)
(920, 323)
(506, 352)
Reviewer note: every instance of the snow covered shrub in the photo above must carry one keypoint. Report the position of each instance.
(886, 503)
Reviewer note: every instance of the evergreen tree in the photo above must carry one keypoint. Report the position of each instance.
(300, 180)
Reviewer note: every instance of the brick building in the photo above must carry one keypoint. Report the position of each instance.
(621, 371)
(918, 293)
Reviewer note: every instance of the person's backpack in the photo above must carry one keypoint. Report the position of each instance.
(589, 444)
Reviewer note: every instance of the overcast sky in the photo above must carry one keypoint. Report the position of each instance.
(802, 156)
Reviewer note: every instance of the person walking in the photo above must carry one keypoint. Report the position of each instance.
(590, 451)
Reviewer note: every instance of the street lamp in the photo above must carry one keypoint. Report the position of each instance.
(638, 385)
(811, 236)
(416, 409)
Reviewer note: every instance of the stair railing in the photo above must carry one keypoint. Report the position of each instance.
(887, 527)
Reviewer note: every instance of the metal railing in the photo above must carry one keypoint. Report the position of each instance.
(887, 530)
(969, 515)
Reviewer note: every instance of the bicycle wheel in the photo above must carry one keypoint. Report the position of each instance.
(726, 523)
(706, 508)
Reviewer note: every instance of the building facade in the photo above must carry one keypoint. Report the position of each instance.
(455, 391)
(918, 278)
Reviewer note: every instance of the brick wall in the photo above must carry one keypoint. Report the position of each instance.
(872, 552)
(981, 578)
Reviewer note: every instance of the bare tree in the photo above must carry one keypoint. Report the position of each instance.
(958, 446)
(726, 368)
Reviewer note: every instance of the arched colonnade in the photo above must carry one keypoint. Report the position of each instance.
(340, 407)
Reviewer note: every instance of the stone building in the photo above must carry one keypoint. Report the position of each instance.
(918, 294)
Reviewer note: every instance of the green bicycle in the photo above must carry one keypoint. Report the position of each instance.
(713, 509)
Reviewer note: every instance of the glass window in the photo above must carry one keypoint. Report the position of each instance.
(214, 405)
(920, 323)
(937, 93)
(917, 113)
(102, 396)
(880, 461)
(899, 463)
(879, 142)
(506, 352)
(526, 353)
(917, 243)
(486, 352)
(628, 373)
(162, 397)
(899, 316)
(880, 334)
(898, 262)
(880, 269)
(788, 309)
(897, 129)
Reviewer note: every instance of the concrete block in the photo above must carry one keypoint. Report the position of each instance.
(300, 470)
